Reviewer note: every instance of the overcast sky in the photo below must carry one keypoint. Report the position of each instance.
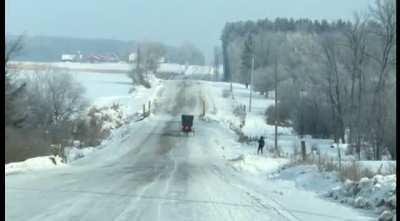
(169, 21)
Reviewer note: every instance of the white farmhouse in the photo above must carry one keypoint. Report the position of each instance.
(68, 57)
(132, 57)
(162, 60)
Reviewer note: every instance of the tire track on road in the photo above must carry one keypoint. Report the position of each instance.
(279, 209)
(168, 183)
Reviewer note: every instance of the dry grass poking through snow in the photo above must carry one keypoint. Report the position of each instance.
(354, 172)
(350, 170)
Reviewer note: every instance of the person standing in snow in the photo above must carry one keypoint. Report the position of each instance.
(260, 145)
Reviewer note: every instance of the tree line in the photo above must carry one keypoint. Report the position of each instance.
(50, 48)
(333, 77)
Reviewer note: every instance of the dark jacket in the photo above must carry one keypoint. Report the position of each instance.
(261, 142)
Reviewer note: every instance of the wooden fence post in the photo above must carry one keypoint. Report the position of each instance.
(319, 158)
(149, 106)
(303, 150)
(339, 158)
(203, 107)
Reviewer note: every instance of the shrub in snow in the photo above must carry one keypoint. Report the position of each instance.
(283, 115)
(365, 182)
(52, 101)
(140, 77)
(392, 201)
(76, 143)
(377, 193)
(327, 164)
(386, 216)
(354, 172)
(240, 112)
(351, 188)
(312, 117)
(107, 118)
(361, 202)
(72, 153)
(99, 123)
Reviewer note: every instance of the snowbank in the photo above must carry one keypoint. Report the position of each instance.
(73, 153)
(256, 164)
(308, 177)
(109, 117)
(377, 193)
(36, 163)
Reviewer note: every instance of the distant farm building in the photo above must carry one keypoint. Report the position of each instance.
(162, 60)
(71, 57)
(68, 57)
(99, 58)
(132, 58)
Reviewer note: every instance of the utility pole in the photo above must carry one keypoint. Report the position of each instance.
(251, 81)
(138, 57)
(231, 88)
(276, 103)
(216, 64)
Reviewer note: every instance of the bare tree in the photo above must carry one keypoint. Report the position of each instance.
(54, 96)
(137, 74)
(383, 27)
(14, 114)
(355, 38)
(333, 71)
(148, 56)
(217, 61)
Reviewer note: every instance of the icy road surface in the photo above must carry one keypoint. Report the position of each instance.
(155, 173)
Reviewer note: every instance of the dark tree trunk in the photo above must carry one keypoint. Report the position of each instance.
(225, 58)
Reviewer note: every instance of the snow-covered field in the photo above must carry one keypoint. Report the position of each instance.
(105, 89)
(121, 67)
(147, 171)
(91, 67)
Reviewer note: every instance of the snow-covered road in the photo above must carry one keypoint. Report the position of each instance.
(155, 173)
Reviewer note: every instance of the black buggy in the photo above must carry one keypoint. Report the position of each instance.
(187, 124)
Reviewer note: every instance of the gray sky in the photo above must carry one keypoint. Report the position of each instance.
(169, 21)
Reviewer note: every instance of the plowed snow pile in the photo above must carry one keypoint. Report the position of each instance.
(32, 164)
(257, 165)
(377, 193)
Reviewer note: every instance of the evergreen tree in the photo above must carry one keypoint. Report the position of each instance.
(246, 59)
